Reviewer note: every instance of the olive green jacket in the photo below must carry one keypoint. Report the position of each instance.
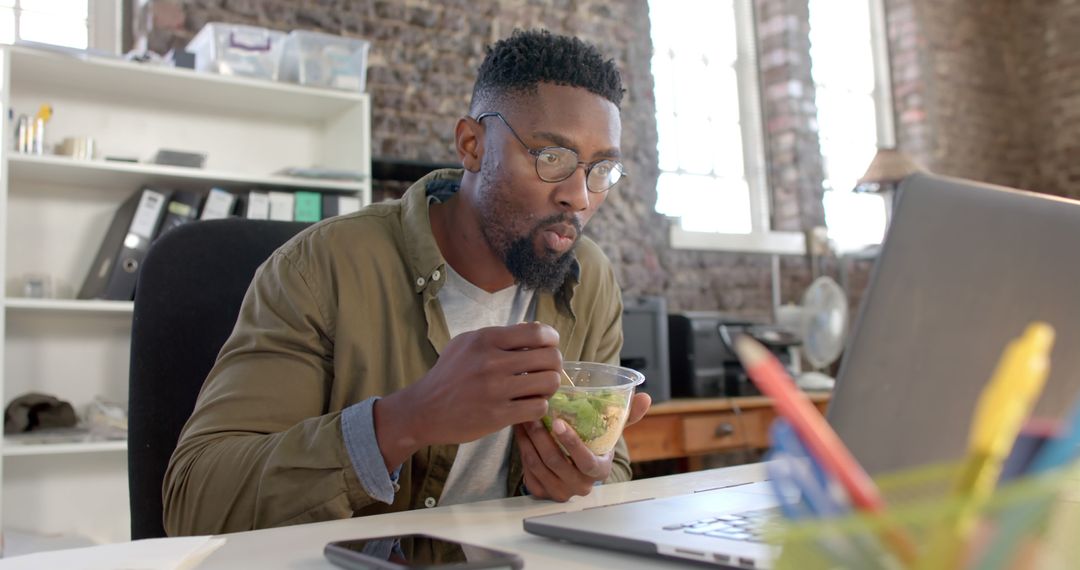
(346, 310)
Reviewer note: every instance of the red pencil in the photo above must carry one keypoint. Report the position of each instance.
(773, 380)
(821, 441)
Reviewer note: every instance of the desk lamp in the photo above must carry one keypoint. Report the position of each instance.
(888, 168)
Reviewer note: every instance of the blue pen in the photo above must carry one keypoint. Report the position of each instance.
(803, 474)
(781, 477)
(805, 491)
(786, 439)
(1020, 521)
(1059, 451)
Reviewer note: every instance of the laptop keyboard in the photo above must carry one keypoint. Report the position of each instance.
(746, 525)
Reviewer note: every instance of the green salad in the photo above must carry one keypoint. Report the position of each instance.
(595, 416)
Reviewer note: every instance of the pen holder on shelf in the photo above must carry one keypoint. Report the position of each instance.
(1038, 517)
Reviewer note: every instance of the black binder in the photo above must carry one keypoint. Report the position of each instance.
(338, 205)
(183, 207)
(116, 267)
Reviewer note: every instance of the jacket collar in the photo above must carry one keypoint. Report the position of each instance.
(425, 260)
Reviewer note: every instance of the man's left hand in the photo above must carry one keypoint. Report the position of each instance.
(552, 474)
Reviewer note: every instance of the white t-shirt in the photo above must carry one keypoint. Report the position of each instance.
(481, 467)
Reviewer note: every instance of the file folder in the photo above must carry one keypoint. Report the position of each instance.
(115, 269)
(308, 206)
(219, 204)
(183, 207)
(339, 205)
(258, 206)
(282, 206)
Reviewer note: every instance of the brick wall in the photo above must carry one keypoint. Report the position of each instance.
(983, 89)
(421, 67)
(959, 100)
(1049, 57)
(990, 90)
(795, 167)
(787, 88)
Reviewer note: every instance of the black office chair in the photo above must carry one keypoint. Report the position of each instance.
(189, 293)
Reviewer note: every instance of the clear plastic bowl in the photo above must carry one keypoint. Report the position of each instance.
(597, 404)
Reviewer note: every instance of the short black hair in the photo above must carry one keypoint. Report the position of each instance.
(518, 64)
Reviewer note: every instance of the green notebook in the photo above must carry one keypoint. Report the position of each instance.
(308, 207)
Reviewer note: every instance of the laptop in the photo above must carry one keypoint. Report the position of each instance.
(964, 269)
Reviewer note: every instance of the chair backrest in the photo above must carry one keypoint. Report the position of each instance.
(189, 292)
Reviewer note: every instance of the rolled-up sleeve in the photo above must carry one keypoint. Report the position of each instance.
(358, 429)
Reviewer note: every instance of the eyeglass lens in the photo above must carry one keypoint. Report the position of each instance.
(555, 164)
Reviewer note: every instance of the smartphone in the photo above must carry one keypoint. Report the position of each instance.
(414, 551)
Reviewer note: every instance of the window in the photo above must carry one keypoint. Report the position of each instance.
(854, 111)
(711, 152)
(78, 24)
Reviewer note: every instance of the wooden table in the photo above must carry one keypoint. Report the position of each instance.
(692, 427)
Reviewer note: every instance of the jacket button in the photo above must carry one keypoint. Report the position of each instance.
(429, 502)
(419, 281)
(436, 275)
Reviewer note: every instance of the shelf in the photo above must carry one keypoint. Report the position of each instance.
(69, 305)
(18, 542)
(56, 210)
(20, 449)
(125, 175)
(179, 88)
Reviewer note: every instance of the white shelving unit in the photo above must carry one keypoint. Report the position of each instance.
(55, 210)
(64, 448)
(68, 305)
(101, 173)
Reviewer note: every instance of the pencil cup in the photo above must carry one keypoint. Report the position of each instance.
(1032, 522)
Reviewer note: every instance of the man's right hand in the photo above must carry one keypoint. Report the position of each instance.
(483, 381)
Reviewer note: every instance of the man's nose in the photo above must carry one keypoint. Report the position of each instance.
(572, 194)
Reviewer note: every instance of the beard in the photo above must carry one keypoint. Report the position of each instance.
(543, 270)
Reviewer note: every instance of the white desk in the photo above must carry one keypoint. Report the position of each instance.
(491, 523)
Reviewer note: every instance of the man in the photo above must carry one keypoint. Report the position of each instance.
(401, 357)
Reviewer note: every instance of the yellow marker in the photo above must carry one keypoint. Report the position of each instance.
(1000, 412)
(44, 112)
(37, 129)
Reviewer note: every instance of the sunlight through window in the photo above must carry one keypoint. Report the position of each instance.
(58, 22)
(842, 65)
(700, 143)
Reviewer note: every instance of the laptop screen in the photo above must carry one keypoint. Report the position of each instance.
(964, 269)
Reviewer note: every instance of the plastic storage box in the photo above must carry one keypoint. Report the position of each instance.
(324, 60)
(231, 49)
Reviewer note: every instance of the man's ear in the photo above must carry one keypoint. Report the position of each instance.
(469, 140)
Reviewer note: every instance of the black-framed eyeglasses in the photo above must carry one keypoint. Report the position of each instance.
(556, 163)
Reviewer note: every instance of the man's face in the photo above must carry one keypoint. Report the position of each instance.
(531, 224)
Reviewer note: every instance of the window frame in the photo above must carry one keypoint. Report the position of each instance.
(883, 95)
(762, 238)
(105, 25)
